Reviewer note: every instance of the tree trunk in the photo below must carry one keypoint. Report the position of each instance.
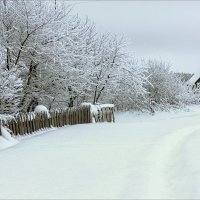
(34, 102)
(32, 74)
(95, 96)
(72, 98)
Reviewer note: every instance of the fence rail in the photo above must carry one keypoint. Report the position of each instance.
(28, 123)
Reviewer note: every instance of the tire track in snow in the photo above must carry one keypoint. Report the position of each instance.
(162, 160)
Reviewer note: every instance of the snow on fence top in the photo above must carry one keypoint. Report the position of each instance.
(93, 108)
(107, 105)
(40, 108)
(6, 117)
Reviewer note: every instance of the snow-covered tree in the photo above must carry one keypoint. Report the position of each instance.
(130, 92)
(105, 60)
(62, 61)
(33, 35)
(10, 89)
(166, 88)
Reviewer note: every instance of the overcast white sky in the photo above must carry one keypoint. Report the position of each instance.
(166, 30)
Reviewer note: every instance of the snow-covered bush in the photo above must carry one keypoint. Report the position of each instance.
(165, 88)
(41, 109)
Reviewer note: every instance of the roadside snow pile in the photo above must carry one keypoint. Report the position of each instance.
(41, 109)
(6, 139)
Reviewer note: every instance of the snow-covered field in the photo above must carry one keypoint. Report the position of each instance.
(137, 157)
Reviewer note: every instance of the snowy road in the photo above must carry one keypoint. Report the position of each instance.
(137, 157)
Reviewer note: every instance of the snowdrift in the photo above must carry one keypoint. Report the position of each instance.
(6, 139)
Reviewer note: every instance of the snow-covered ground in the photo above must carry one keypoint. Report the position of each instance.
(140, 156)
(6, 139)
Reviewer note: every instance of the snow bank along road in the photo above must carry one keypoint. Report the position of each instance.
(137, 157)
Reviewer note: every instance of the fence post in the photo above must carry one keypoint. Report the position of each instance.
(113, 115)
(0, 128)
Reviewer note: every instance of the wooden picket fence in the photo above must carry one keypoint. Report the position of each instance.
(28, 123)
(105, 115)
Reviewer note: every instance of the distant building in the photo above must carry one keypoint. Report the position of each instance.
(195, 81)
